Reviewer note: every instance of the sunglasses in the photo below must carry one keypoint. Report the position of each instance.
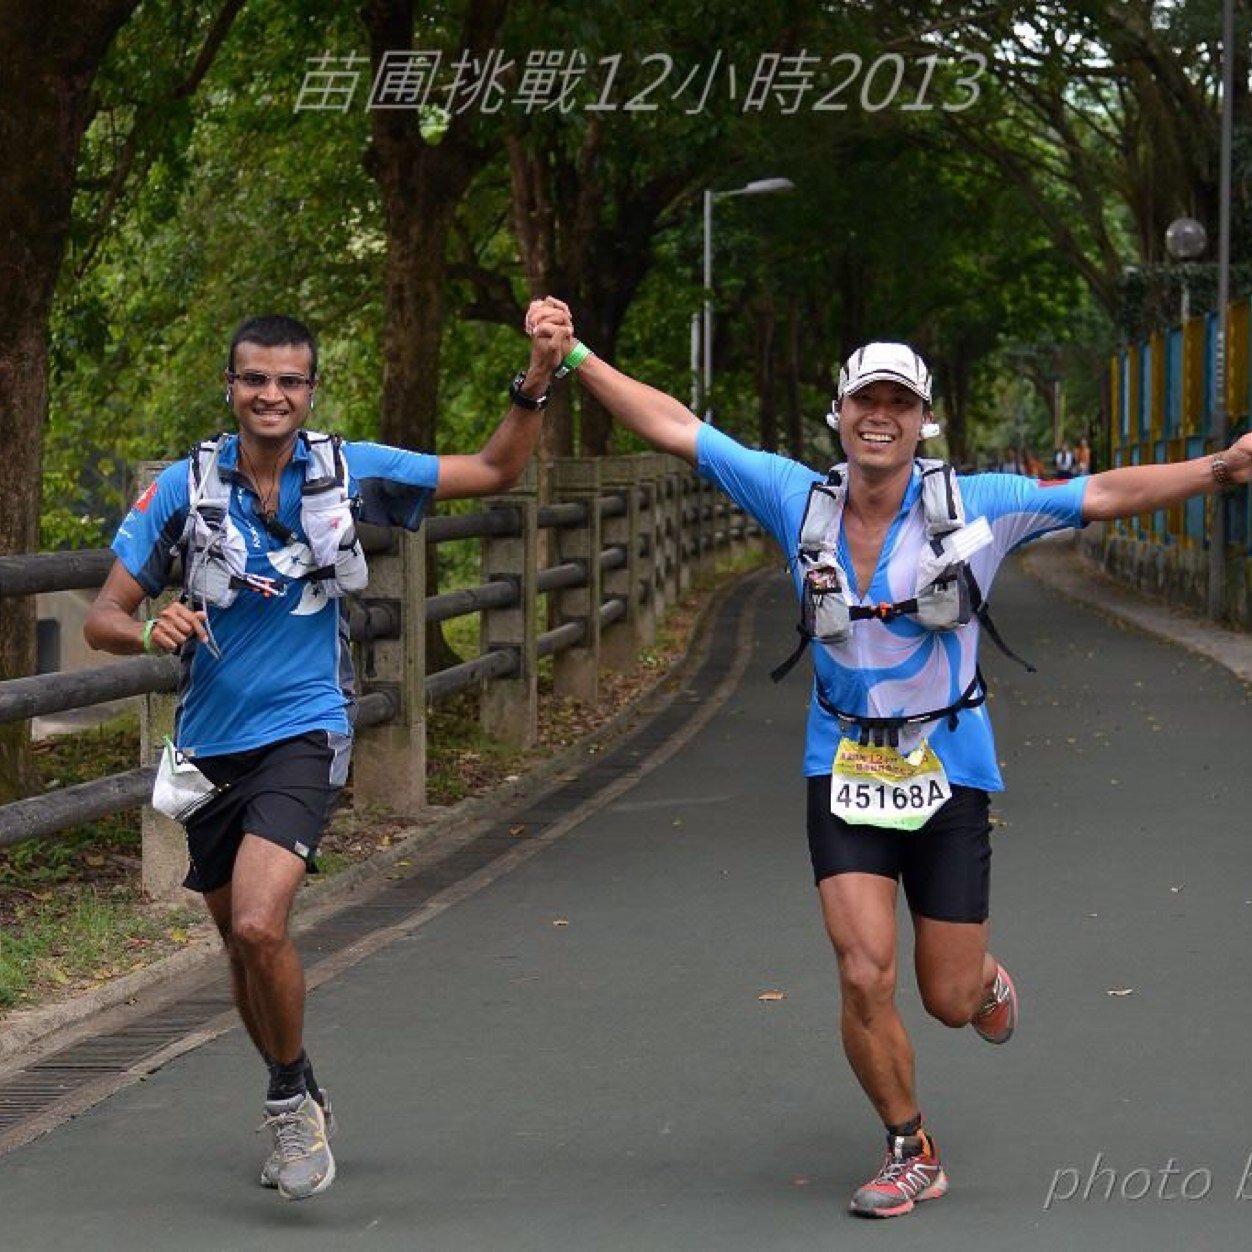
(254, 380)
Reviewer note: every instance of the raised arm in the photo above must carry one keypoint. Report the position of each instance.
(498, 463)
(667, 424)
(1135, 489)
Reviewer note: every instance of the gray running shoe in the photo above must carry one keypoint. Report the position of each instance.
(301, 1164)
(273, 1162)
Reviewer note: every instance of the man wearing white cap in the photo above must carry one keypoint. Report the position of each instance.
(891, 557)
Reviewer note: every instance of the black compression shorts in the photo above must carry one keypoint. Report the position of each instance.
(284, 792)
(945, 866)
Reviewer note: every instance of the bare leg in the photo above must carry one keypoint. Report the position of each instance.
(219, 906)
(252, 914)
(859, 912)
(955, 971)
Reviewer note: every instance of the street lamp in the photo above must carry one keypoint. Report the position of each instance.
(1185, 239)
(758, 187)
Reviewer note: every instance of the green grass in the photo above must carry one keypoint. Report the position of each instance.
(63, 761)
(84, 936)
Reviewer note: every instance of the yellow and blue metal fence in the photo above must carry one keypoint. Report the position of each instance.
(1162, 391)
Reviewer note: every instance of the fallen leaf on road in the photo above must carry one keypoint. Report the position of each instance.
(519, 829)
(1121, 991)
(772, 995)
(560, 921)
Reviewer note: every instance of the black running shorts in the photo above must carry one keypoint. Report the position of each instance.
(945, 866)
(284, 792)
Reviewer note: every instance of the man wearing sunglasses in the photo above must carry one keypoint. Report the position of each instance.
(264, 522)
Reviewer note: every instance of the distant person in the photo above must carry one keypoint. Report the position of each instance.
(1009, 463)
(1082, 458)
(264, 521)
(899, 756)
(1032, 466)
(1063, 461)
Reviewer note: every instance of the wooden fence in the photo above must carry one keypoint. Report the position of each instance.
(624, 537)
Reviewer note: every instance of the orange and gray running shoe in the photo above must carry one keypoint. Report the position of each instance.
(996, 1019)
(910, 1173)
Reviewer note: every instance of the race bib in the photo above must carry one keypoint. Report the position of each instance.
(876, 786)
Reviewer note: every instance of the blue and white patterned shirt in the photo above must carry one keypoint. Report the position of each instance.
(895, 668)
(284, 668)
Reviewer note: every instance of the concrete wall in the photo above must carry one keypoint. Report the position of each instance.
(1177, 574)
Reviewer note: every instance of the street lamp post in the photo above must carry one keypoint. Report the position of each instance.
(1220, 428)
(758, 187)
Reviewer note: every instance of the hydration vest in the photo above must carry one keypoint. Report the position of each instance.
(946, 595)
(215, 554)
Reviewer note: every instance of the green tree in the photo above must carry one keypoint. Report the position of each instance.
(49, 59)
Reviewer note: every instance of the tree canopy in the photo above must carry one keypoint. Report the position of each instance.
(980, 179)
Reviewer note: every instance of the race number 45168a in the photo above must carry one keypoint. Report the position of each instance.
(876, 786)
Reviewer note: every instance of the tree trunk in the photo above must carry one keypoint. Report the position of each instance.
(421, 184)
(767, 412)
(49, 57)
(589, 242)
(535, 226)
(955, 374)
(795, 417)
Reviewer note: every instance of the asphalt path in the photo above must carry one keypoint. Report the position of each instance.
(629, 1040)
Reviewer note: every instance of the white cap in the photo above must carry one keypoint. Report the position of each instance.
(885, 362)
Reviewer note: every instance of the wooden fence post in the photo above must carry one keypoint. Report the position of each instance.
(619, 644)
(652, 604)
(576, 670)
(389, 761)
(163, 840)
(509, 707)
(672, 529)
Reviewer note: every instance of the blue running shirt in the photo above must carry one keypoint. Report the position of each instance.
(284, 668)
(896, 668)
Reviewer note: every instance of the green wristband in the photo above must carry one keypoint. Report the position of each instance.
(147, 636)
(573, 359)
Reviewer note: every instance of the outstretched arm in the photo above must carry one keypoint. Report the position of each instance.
(1135, 489)
(499, 462)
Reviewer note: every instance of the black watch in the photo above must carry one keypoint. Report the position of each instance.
(522, 400)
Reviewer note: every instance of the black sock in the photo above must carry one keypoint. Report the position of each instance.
(905, 1129)
(287, 1080)
(310, 1083)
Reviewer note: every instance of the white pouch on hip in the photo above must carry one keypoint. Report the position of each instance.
(181, 789)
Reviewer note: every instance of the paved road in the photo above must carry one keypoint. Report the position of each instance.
(575, 1056)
